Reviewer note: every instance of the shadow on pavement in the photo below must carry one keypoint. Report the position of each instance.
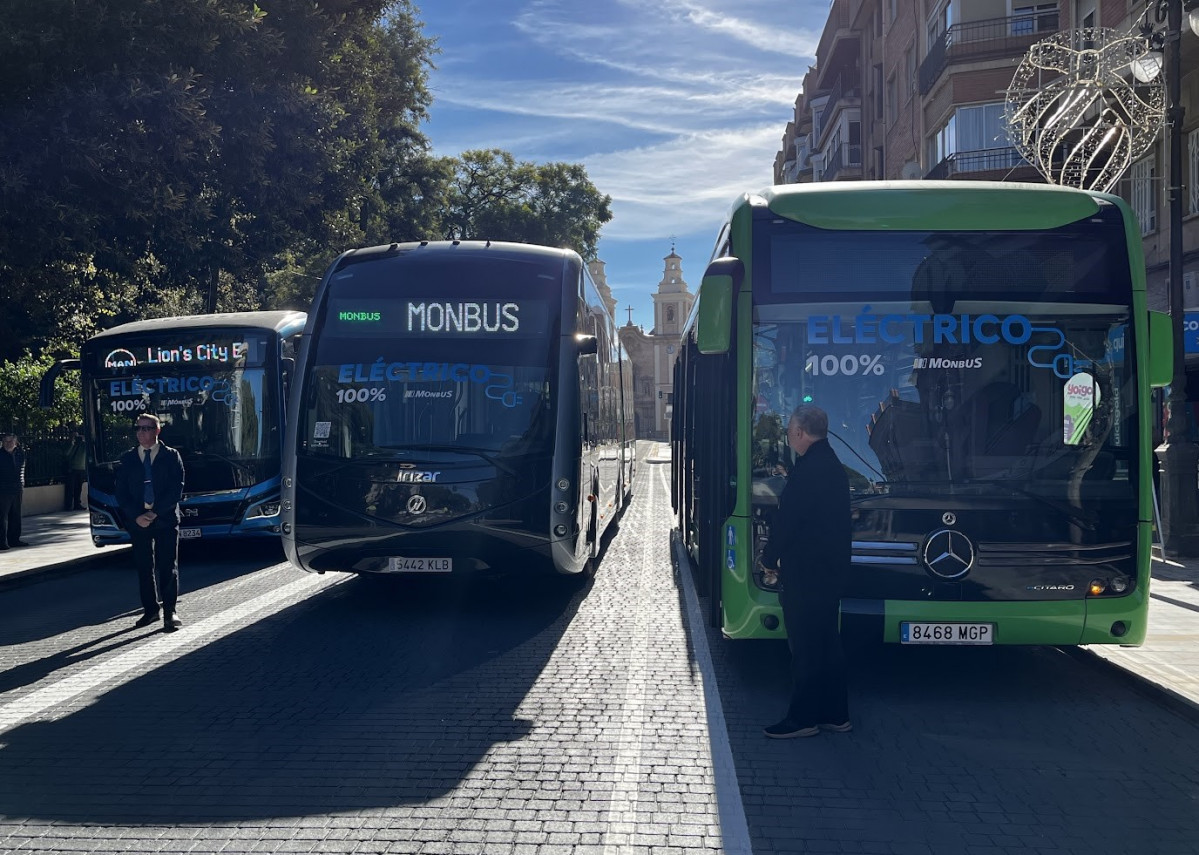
(359, 697)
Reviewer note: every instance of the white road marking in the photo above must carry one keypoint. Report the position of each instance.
(734, 829)
(126, 664)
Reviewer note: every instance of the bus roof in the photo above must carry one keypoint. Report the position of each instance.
(962, 205)
(493, 248)
(278, 321)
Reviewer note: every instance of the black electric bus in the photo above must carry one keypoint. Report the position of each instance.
(462, 407)
(219, 384)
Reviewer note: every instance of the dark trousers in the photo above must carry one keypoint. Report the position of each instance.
(819, 694)
(156, 557)
(10, 519)
(72, 490)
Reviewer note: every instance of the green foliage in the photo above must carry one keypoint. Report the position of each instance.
(145, 145)
(493, 197)
(20, 380)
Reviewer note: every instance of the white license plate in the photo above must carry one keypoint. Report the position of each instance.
(946, 633)
(420, 565)
(188, 533)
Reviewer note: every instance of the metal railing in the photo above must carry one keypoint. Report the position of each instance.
(982, 160)
(999, 36)
(844, 156)
(45, 456)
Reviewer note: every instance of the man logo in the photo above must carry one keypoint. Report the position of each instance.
(948, 554)
(120, 358)
(416, 505)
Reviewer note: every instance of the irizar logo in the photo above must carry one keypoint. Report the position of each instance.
(409, 476)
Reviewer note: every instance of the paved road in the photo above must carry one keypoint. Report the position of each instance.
(298, 713)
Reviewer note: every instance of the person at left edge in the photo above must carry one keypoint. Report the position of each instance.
(12, 488)
(149, 487)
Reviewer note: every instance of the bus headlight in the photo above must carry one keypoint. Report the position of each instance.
(263, 509)
(1098, 586)
(562, 507)
(563, 484)
(560, 530)
(1119, 585)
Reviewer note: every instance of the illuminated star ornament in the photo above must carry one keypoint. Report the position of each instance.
(1084, 105)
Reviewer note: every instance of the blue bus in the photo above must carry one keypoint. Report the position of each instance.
(219, 384)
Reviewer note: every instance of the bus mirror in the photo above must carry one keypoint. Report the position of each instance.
(717, 291)
(288, 365)
(588, 344)
(45, 392)
(1161, 350)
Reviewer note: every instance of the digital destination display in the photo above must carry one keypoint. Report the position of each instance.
(199, 352)
(429, 317)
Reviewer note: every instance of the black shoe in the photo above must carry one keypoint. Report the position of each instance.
(147, 619)
(844, 727)
(3, 546)
(79, 508)
(789, 728)
(170, 623)
(19, 543)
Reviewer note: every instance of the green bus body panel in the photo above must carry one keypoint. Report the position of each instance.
(714, 322)
(923, 205)
(916, 205)
(1161, 350)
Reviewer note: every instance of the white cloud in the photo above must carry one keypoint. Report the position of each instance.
(683, 185)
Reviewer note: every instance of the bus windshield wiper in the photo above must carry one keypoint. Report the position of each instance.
(234, 463)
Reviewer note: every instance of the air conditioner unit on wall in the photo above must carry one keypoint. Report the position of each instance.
(1190, 290)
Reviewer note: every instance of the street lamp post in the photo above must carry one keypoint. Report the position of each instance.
(1179, 455)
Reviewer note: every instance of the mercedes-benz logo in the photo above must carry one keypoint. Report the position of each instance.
(416, 504)
(948, 554)
(949, 518)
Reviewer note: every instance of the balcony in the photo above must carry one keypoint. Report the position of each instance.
(846, 93)
(994, 38)
(842, 157)
(983, 160)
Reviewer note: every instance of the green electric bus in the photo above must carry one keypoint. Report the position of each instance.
(986, 358)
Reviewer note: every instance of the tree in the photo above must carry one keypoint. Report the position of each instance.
(149, 149)
(494, 197)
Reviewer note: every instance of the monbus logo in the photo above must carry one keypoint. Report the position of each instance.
(120, 358)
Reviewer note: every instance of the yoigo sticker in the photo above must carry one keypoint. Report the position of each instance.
(1081, 397)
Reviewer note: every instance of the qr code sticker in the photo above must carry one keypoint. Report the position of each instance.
(321, 430)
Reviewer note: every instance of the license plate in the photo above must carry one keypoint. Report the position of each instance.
(188, 533)
(946, 633)
(420, 565)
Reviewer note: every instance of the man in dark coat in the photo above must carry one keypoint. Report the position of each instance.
(12, 488)
(149, 487)
(810, 547)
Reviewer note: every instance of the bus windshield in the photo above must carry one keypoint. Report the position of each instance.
(460, 362)
(219, 412)
(999, 365)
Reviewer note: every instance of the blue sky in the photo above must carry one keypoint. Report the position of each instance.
(675, 107)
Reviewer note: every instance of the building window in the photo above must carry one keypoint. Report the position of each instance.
(1193, 170)
(892, 107)
(878, 91)
(670, 312)
(1034, 18)
(909, 70)
(978, 138)
(1144, 201)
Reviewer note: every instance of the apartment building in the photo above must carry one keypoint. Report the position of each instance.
(915, 89)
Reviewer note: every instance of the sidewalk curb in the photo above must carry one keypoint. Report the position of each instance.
(20, 578)
(1177, 703)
